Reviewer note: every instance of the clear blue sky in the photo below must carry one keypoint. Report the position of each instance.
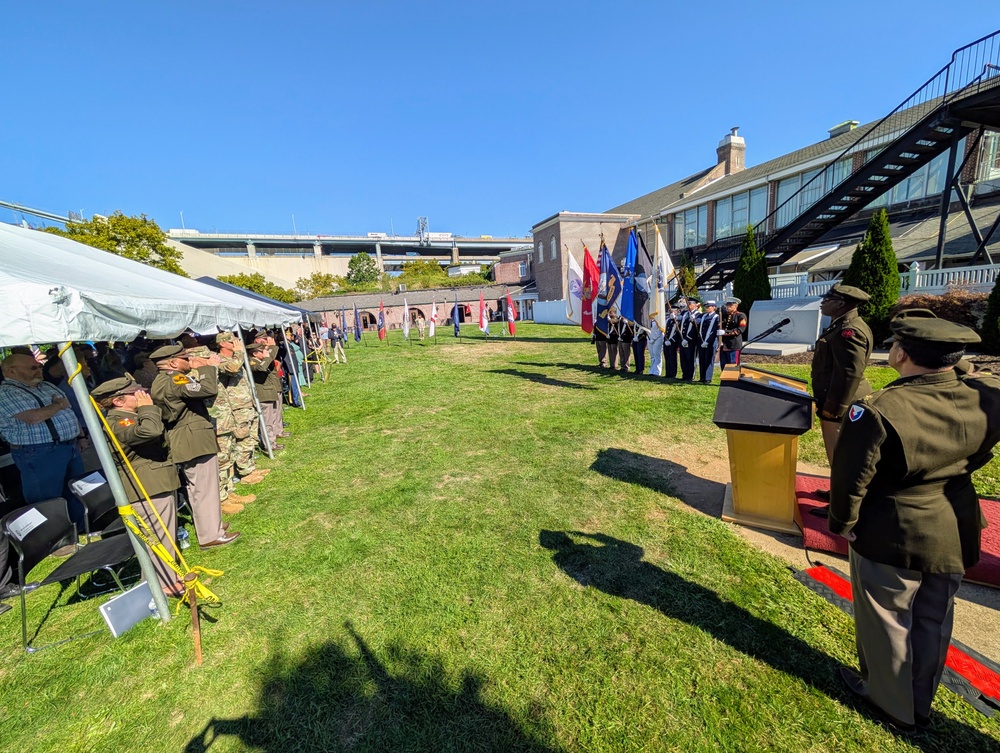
(485, 117)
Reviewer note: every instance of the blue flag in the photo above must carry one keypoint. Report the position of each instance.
(357, 324)
(343, 324)
(608, 292)
(640, 297)
(628, 283)
(454, 317)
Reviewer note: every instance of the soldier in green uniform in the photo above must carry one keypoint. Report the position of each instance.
(138, 426)
(902, 494)
(839, 360)
(238, 388)
(180, 391)
(268, 385)
(220, 410)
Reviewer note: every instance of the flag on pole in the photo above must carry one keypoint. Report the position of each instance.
(574, 289)
(627, 303)
(640, 295)
(432, 325)
(406, 319)
(608, 292)
(454, 318)
(357, 324)
(381, 321)
(665, 267)
(343, 324)
(591, 281)
(484, 320)
(512, 314)
(657, 299)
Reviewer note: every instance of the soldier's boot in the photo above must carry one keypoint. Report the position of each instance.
(242, 499)
(253, 478)
(231, 508)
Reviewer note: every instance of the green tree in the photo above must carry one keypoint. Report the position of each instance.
(316, 285)
(362, 269)
(687, 281)
(875, 270)
(256, 283)
(991, 322)
(423, 274)
(751, 283)
(136, 238)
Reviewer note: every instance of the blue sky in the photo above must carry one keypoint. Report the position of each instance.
(484, 117)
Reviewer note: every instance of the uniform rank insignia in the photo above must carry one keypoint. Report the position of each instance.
(856, 412)
(126, 422)
(847, 332)
(180, 379)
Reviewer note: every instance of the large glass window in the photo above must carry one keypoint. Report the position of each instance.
(541, 252)
(691, 227)
(786, 190)
(758, 205)
(734, 213)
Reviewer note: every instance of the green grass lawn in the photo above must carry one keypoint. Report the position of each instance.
(472, 546)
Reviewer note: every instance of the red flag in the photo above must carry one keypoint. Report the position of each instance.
(484, 321)
(591, 282)
(511, 314)
(381, 321)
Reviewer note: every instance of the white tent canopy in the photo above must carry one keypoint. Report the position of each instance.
(53, 289)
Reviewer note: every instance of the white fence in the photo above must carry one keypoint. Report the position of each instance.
(935, 282)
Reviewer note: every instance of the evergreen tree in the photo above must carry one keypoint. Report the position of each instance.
(875, 270)
(991, 322)
(687, 281)
(751, 283)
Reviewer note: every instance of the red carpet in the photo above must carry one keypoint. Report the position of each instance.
(816, 535)
(968, 673)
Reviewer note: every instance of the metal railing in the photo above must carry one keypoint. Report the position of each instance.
(972, 69)
(916, 280)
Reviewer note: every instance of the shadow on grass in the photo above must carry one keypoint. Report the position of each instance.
(664, 476)
(334, 700)
(617, 568)
(542, 379)
(593, 368)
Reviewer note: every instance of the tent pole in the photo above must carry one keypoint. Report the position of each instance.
(96, 430)
(261, 423)
(295, 367)
(305, 336)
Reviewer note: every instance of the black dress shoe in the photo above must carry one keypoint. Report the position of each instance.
(820, 512)
(823, 494)
(853, 682)
(923, 722)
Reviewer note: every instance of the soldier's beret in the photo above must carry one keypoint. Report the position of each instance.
(933, 331)
(167, 351)
(125, 385)
(733, 299)
(849, 292)
(223, 337)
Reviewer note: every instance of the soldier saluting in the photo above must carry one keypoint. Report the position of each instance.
(839, 359)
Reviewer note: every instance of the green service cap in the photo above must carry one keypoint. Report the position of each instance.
(167, 351)
(115, 387)
(933, 331)
(848, 292)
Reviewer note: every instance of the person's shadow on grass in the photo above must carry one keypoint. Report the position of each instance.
(533, 376)
(333, 700)
(617, 567)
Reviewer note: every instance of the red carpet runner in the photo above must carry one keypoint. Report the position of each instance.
(816, 535)
(968, 673)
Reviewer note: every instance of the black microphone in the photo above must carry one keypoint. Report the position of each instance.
(769, 331)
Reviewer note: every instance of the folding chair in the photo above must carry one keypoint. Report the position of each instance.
(35, 531)
(103, 519)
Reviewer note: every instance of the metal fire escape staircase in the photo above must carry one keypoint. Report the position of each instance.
(960, 98)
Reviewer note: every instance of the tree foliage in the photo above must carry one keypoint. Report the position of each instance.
(875, 270)
(256, 283)
(316, 285)
(362, 269)
(137, 238)
(751, 283)
(687, 281)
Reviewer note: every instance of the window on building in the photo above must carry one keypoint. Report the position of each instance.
(813, 187)
(541, 253)
(552, 247)
(522, 269)
(691, 227)
(734, 213)
(929, 180)
(989, 160)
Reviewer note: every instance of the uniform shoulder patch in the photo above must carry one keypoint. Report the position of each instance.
(856, 412)
(847, 333)
(126, 422)
(180, 379)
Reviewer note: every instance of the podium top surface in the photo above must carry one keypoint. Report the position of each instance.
(757, 400)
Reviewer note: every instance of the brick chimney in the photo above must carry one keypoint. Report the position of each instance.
(732, 152)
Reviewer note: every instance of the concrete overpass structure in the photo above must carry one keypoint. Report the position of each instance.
(289, 257)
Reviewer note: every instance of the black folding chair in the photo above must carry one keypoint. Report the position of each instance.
(103, 519)
(35, 531)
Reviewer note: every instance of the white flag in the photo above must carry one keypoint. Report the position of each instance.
(434, 319)
(406, 319)
(574, 289)
(664, 270)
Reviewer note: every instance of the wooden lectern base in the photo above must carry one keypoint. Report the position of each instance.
(754, 521)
